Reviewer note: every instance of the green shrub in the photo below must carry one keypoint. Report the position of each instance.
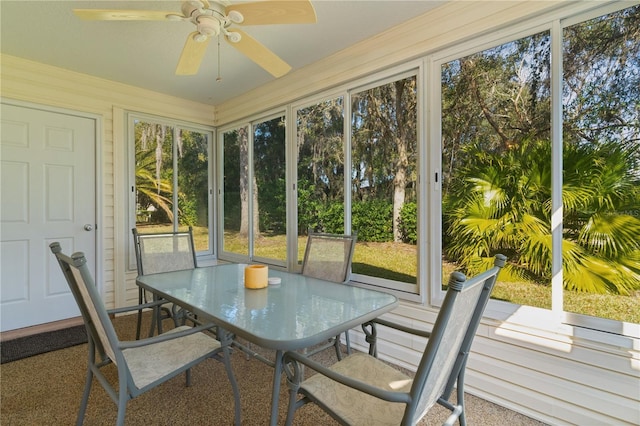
(408, 223)
(308, 208)
(188, 212)
(331, 218)
(372, 220)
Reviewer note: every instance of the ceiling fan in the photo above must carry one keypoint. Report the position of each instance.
(216, 18)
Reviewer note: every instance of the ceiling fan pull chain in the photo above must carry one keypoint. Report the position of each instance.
(219, 78)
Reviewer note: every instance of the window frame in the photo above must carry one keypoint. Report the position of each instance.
(555, 319)
(249, 123)
(252, 126)
(415, 68)
(177, 125)
(222, 254)
(411, 69)
(435, 62)
(292, 172)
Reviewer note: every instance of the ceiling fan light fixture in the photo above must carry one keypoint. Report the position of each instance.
(236, 17)
(233, 37)
(200, 37)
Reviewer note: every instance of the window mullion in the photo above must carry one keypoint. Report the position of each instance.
(556, 167)
(174, 195)
(347, 147)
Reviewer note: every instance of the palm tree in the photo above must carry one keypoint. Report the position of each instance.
(152, 189)
(501, 202)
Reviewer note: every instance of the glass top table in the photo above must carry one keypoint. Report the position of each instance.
(297, 313)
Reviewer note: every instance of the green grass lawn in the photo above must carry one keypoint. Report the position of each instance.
(397, 261)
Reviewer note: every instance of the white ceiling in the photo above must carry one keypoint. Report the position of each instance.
(145, 53)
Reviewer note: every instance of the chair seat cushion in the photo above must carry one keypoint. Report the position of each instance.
(355, 407)
(150, 363)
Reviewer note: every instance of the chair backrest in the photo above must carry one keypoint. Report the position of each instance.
(499, 262)
(99, 326)
(164, 251)
(451, 338)
(329, 256)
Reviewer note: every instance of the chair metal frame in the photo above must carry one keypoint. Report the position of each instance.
(105, 348)
(441, 368)
(183, 256)
(322, 264)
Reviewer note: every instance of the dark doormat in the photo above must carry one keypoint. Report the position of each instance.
(23, 347)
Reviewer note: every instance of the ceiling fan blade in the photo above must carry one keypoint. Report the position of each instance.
(121, 15)
(192, 55)
(275, 12)
(259, 54)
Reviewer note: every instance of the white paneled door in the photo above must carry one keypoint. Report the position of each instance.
(48, 194)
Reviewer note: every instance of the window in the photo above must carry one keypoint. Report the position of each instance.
(253, 201)
(365, 181)
(532, 151)
(235, 201)
(496, 166)
(384, 176)
(320, 169)
(171, 181)
(601, 166)
(566, 215)
(270, 204)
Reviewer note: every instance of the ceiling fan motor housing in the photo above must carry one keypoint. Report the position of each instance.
(208, 25)
(189, 7)
(210, 20)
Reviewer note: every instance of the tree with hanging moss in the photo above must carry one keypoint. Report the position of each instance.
(497, 156)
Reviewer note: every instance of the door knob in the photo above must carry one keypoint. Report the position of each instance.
(88, 227)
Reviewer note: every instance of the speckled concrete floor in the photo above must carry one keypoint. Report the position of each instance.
(46, 390)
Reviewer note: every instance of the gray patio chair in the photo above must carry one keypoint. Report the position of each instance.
(162, 252)
(141, 364)
(329, 257)
(362, 390)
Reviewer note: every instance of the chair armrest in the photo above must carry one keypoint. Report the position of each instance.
(293, 375)
(165, 336)
(404, 328)
(371, 333)
(136, 307)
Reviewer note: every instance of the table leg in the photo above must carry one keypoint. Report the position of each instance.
(156, 321)
(277, 375)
